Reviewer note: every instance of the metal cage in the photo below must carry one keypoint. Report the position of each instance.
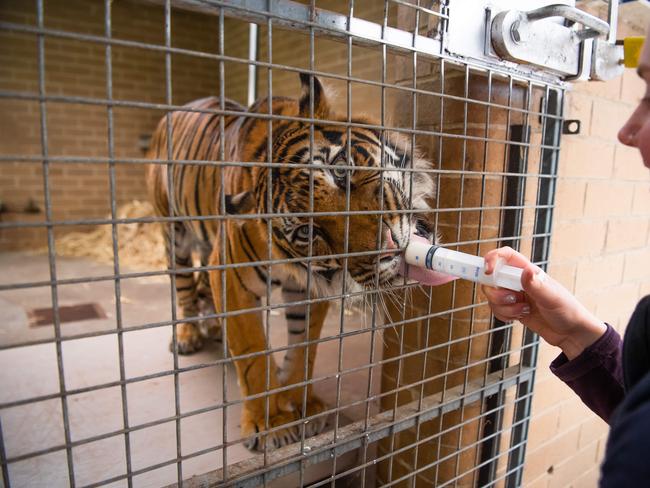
(421, 385)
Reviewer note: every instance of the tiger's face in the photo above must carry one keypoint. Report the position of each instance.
(361, 172)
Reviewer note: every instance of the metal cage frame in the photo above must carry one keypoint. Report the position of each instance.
(500, 376)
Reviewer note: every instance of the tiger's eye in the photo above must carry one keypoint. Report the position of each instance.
(339, 171)
(303, 232)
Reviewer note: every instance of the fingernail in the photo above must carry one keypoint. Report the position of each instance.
(540, 276)
(510, 299)
(525, 310)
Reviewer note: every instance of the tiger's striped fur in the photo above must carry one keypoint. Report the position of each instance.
(286, 190)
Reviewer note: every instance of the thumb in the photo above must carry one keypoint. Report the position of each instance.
(535, 284)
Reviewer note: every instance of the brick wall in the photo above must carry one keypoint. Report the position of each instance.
(601, 252)
(77, 69)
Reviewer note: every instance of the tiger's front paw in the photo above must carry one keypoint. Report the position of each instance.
(188, 339)
(253, 430)
(316, 420)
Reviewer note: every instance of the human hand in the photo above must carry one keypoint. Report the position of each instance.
(545, 306)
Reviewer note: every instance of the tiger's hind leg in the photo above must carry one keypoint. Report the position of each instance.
(293, 367)
(209, 326)
(188, 336)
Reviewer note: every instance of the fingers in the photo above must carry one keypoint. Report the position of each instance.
(506, 305)
(509, 255)
(507, 313)
(502, 296)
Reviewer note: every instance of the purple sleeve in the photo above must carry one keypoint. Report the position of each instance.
(596, 375)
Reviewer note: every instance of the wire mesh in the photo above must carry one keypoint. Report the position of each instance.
(397, 384)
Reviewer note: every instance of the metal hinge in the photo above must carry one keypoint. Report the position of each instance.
(530, 37)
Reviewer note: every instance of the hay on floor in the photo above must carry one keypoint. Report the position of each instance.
(140, 245)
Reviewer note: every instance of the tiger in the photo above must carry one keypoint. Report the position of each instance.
(296, 197)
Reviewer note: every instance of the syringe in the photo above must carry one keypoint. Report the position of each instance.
(466, 266)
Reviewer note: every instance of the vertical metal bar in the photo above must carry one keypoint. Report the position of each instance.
(373, 331)
(223, 255)
(458, 235)
(437, 217)
(551, 132)
(410, 198)
(612, 20)
(512, 195)
(252, 68)
(488, 423)
(115, 237)
(269, 229)
(51, 249)
(172, 237)
(310, 247)
(346, 236)
(399, 331)
(418, 423)
(3, 459)
(478, 237)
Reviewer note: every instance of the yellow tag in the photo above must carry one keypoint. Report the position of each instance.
(632, 51)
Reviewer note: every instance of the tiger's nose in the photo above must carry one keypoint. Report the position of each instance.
(390, 245)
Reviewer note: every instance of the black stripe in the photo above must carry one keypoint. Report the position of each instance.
(334, 137)
(197, 203)
(361, 135)
(296, 332)
(237, 275)
(361, 150)
(262, 276)
(213, 118)
(295, 316)
(290, 143)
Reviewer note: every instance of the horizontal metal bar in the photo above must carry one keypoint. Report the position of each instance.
(225, 315)
(216, 448)
(295, 16)
(422, 441)
(233, 403)
(225, 361)
(15, 158)
(11, 94)
(324, 447)
(169, 272)
(255, 216)
(420, 8)
(27, 29)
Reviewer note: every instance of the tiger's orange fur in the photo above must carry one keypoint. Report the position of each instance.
(289, 191)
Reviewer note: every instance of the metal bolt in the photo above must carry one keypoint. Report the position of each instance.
(514, 32)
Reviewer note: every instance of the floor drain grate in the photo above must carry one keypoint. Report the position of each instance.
(67, 313)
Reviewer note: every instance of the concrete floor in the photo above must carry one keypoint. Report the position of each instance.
(31, 371)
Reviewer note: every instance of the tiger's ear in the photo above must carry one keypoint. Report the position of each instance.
(241, 203)
(321, 105)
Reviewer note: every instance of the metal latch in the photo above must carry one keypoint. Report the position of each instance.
(532, 38)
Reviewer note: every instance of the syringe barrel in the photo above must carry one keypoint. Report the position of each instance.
(462, 265)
